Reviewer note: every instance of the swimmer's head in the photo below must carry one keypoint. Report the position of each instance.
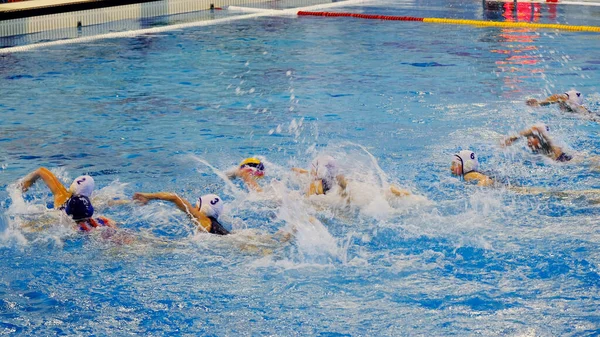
(574, 97)
(538, 140)
(324, 167)
(83, 185)
(464, 162)
(211, 205)
(253, 166)
(79, 207)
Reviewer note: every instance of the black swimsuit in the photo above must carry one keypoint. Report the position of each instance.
(216, 227)
(564, 157)
(326, 185)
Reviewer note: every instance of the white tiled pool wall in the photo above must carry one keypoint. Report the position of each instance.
(48, 23)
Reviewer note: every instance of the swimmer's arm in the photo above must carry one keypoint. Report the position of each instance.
(299, 170)
(509, 140)
(556, 98)
(524, 133)
(532, 102)
(527, 132)
(480, 178)
(342, 182)
(527, 190)
(246, 177)
(250, 181)
(184, 205)
(485, 181)
(399, 192)
(315, 188)
(60, 192)
(118, 202)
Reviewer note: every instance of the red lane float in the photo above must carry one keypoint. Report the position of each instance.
(362, 16)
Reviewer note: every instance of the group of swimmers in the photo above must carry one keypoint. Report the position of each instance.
(465, 163)
(75, 201)
(325, 177)
(204, 213)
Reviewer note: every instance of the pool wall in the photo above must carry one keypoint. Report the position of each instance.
(78, 18)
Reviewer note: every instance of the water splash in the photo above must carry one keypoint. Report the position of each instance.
(234, 189)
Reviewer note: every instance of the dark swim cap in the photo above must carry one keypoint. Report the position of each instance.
(79, 207)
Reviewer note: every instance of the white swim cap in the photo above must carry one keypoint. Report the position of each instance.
(211, 205)
(541, 129)
(575, 97)
(324, 167)
(468, 160)
(83, 185)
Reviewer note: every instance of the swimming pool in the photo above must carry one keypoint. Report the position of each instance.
(159, 112)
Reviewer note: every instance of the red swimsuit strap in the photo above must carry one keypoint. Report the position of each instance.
(88, 224)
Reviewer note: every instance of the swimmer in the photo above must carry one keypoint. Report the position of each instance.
(325, 177)
(570, 101)
(249, 170)
(75, 201)
(465, 165)
(80, 209)
(539, 142)
(204, 214)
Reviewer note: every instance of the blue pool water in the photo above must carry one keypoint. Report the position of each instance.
(392, 101)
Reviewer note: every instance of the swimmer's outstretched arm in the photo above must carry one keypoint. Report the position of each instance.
(299, 170)
(184, 205)
(508, 141)
(399, 192)
(60, 192)
(526, 133)
(527, 190)
(556, 98)
(118, 202)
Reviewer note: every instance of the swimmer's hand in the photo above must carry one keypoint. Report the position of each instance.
(24, 186)
(532, 102)
(30, 179)
(507, 141)
(140, 198)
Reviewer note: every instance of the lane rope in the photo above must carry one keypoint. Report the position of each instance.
(457, 21)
